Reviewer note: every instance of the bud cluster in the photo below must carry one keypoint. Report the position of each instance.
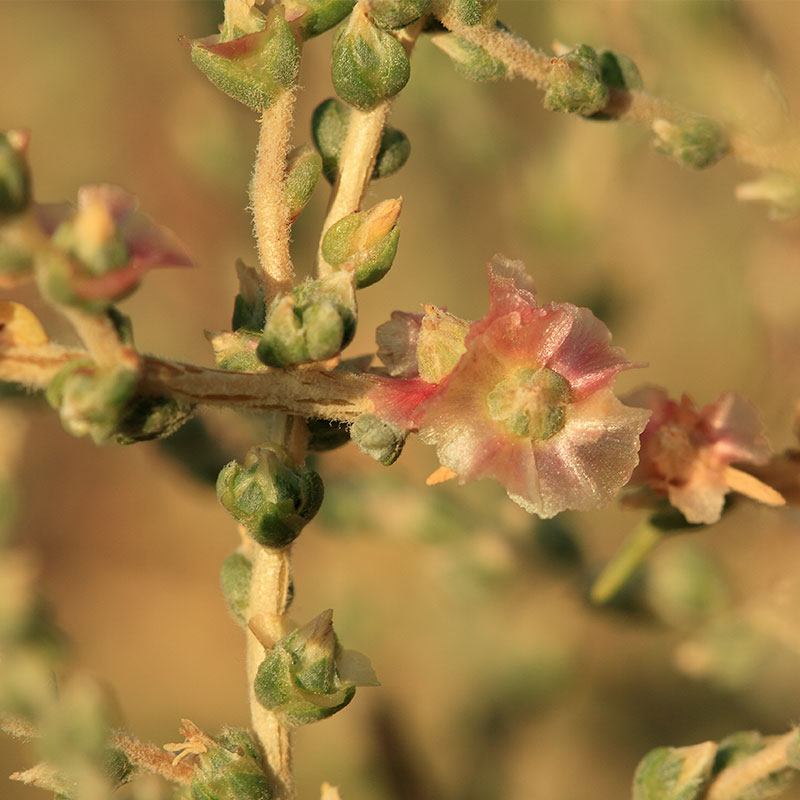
(312, 322)
(272, 498)
(307, 676)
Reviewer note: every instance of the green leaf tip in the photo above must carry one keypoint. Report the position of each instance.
(255, 68)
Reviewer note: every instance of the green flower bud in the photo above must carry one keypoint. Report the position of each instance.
(377, 439)
(440, 343)
(255, 68)
(311, 323)
(236, 351)
(365, 242)
(307, 676)
(15, 179)
(314, 17)
(91, 400)
(694, 141)
(368, 65)
(470, 60)
(619, 71)
(674, 773)
(302, 173)
(475, 12)
(574, 83)
(271, 498)
(234, 577)
(326, 435)
(148, 418)
(249, 309)
(329, 125)
(228, 768)
(392, 14)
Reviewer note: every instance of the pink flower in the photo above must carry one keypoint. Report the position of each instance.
(111, 243)
(523, 396)
(686, 454)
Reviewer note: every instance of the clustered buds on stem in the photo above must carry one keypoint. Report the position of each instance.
(312, 322)
(575, 83)
(15, 178)
(470, 60)
(393, 14)
(272, 498)
(306, 676)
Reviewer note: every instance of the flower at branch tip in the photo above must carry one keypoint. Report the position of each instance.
(687, 454)
(523, 395)
(110, 245)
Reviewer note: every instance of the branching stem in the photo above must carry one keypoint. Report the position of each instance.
(524, 61)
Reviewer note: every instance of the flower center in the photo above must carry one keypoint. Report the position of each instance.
(531, 403)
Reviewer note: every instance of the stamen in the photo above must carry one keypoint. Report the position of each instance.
(752, 487)
(440, 476)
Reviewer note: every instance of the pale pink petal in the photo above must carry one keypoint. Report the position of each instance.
(702, 499)
(397, 343)
(585, 356)
(733, 424)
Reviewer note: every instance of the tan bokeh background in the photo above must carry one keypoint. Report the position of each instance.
(498, 680)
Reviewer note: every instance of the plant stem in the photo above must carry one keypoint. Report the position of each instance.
(619, 570)
(734, 781)
(97, 332)
(524, 61)
(359, 151)
(356, 163)
(268, 196)
(312, 392)
(269, 589)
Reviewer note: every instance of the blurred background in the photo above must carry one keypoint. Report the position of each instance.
(499, 680)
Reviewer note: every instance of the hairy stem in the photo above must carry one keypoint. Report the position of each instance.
(268, 196)
(269, 589)
(734, 781)
(97, 332)
(311, 392)
(356, 163)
